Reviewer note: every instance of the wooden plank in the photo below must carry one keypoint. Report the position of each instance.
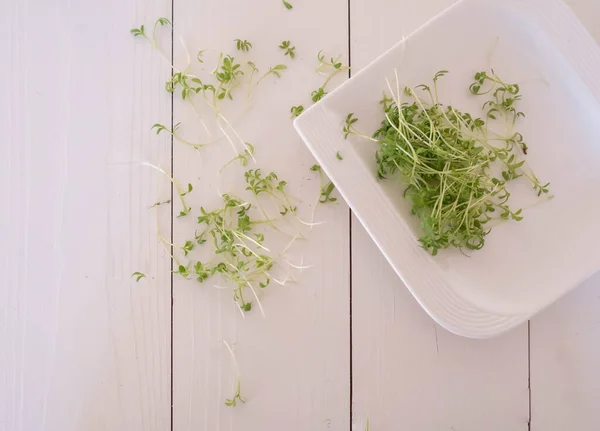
(564, 339)
(83, 346)
(564, 362)
(408, 373)
(294, 363)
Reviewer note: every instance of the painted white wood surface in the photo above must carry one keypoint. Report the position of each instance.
(83, 347)
(294, 363)
(86, 348)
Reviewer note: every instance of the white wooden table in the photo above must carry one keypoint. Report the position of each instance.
(86, 348)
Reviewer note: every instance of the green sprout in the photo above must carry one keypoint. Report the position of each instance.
(173, 132)
(327, 187)
(237, 396)
(141, 31)
(242, 45)
(318, 94)
(329, 68)
(288, 48)
(275, 70)
(180, 192)
(138, 276)
(231, 402)
(296, 111)
(243, 157)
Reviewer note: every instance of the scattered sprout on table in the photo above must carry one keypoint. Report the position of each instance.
(138, 276)
(288, 48)
(242, 45)
(296, 111)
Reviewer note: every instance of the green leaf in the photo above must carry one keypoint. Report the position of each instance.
(296, 110)
(287, 5)
(242, 45)
(138, 31)
(138, 276)
(318, 94)
(288, 48)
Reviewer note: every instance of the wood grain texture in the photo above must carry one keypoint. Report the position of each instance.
(83, 347)
(294, 363)
(408, 373)
(564, 362)
(564, 338)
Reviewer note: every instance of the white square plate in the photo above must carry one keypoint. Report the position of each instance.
(525, 265)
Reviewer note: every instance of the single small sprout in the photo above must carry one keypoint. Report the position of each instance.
(242, 45)
(329, 68)
(275, 70)
(138, 32)
(334, 63)
(183, 271)
(244, 157)
(350, 120)
(138, 276)
(187, 247)
(326, 187)
(318, 94)
(252, 67)
(439, 74)
(157, 204)
(288, 48)
(142, 32)
(326, 193)
(227, 74)
(189, 189)
(180, 192)
(173, 132)
(287, 5)
(296, 111)
(237, 396)
(339, 156)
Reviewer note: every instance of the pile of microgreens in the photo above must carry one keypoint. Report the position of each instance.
(450, 159)
(231, 237)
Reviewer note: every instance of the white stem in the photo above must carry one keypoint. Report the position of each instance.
(235, 364)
